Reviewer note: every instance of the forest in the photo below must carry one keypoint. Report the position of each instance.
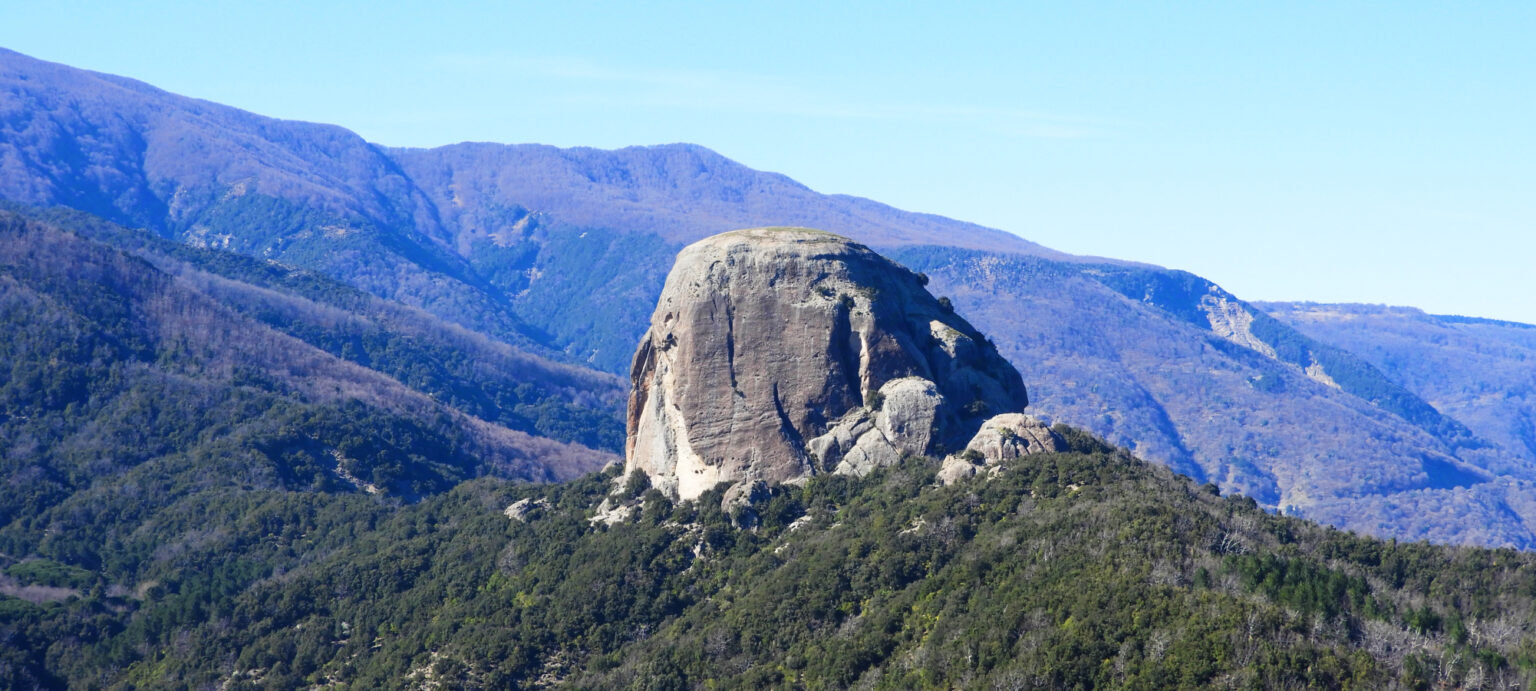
(1080, 569)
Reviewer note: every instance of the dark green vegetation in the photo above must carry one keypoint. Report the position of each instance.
(154, 399)
(1080, 569)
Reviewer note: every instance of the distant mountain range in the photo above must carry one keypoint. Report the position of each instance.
(560, 254)
(1479, 371)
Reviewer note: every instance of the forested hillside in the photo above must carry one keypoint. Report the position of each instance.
(1481, 371)
(117, 359)
(155, 400)
(1078, 569)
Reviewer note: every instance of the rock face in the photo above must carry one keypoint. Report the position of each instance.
(778, 353)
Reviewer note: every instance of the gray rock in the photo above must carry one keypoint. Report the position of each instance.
(523, 509)
(1006, 437)
(955, 469)
(1001, 439)
(744, 494)
(610, 512)
(872, 451)
(909, 414)
(741, 498)
(830, 448)
(767, 348)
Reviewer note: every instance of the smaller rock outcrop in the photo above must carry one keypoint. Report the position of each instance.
(525, 509)
(900, 421)
(1001, 439)
(740, 499)
(613, 511)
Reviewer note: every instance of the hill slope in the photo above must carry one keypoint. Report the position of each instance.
(139, 389)
(315, 196)
(1081, 569)
(1477, 370)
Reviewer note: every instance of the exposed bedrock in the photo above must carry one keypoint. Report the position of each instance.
(779, 353)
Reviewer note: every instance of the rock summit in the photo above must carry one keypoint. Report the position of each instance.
(779, 353)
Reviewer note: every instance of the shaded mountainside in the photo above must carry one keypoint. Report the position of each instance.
(454, 367)
(137, 386)
(1067, 570)
(478, 375)
(1185, 374)
(1480, 371)
(563, 252)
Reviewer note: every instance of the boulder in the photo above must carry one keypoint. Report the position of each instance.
(955, 469)
(744, 494)
(523, 509)
(909, 412)
(1005, 437)
(740, 499)
(1001, 439)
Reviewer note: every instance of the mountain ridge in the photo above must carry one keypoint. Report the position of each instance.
(619, 176)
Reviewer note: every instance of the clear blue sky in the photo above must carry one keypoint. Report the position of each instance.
(1364, 152)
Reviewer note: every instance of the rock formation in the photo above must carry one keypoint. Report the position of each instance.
(778, 353)
(1001, 439)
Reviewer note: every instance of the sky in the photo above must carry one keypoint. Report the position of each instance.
(1336, 152)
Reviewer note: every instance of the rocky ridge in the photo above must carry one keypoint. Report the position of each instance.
(779, 353)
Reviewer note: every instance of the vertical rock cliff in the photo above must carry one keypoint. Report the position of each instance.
(779, 353)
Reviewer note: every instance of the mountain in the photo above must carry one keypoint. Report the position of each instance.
(310, 195)
(1189, 375)
(138, 383)
(562, 254)
(320, 197)
(1479, 371)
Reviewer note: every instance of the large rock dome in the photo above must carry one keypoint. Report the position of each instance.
(778, 353)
